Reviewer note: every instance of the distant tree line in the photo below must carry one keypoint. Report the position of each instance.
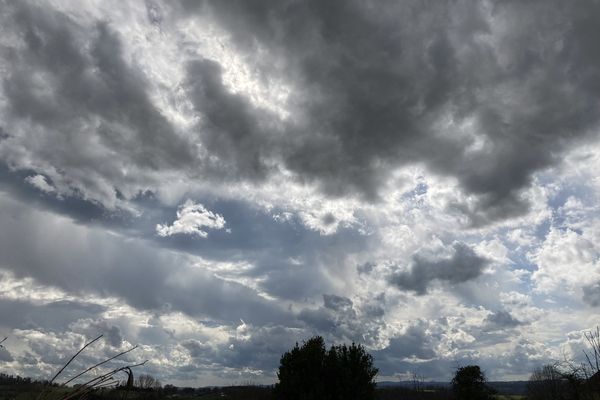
(7, 379)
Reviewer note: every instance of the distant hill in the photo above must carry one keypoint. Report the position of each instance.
(410, 384)
(503, 387)
(510, 387)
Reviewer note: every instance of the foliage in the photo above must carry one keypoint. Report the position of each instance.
(310, 372)
(469, 383)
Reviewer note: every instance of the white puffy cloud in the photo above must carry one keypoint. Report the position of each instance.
(40, 182)
(192, 218)
(566, 261)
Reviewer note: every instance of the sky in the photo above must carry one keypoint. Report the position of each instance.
(215, 181)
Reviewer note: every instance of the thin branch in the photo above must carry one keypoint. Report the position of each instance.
(90, 385)
(111, 373)
(589, 361)
(72, 358)
(99, 364)
(593, 339)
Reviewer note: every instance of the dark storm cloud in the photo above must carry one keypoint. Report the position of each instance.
(86, 81)
(463, 265)
(232, 129)
(374, 86)
(374, 82)
(92, 111)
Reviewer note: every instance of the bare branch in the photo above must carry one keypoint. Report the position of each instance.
(72, 358)
(593, 339)
(99, 364)
(91, 384)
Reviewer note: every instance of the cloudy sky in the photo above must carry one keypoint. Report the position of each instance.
(215, 181)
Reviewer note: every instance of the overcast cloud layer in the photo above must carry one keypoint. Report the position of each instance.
(215, 181)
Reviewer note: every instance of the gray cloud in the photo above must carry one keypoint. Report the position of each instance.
(337, 303)
(318, 319)
(463, 265)
(5, 355)
(237, 134)
(93, 327)
(374, 83)
(414, 343)
(339, 320)
(257, 348)
(374, 87)
(591, 294)
(98, 83)
(198, 349)
(102, 264)
(54, 316)
(501, 320)
(72, 82)
(263, 349)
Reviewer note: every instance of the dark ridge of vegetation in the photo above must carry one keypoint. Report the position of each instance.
(6, 379)
(409, 393)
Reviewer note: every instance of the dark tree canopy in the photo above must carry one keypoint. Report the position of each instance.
(310, 372)
(469, 383)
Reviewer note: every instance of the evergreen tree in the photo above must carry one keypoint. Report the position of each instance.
(469, 383)
(310, 372)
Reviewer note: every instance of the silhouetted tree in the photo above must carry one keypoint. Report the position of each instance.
(310, 372)
(301, 371)
(349, 371)
(469, 383)
(147, 382)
